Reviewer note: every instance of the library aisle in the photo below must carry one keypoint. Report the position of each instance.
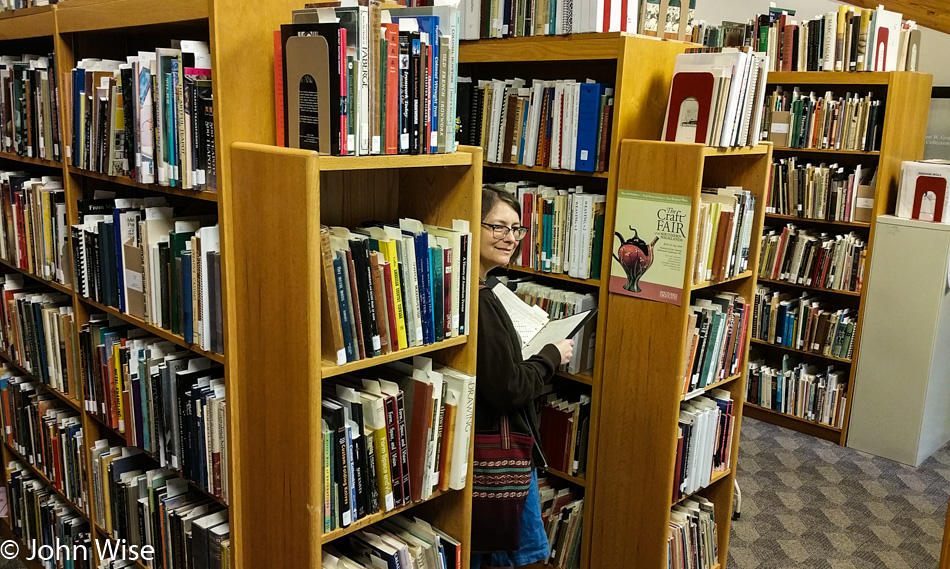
(810, 503)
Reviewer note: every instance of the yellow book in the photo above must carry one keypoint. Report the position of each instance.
(714, 210)
(840, 37)
(388, 249)
(863, 40)
(120, 407)
(383, 475)
(48, 272)
(104, 463)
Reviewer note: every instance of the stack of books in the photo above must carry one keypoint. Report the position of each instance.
(34, 230)
(812, 259)
(799, 120)
(724, 232)
(137, 256)
(359, 80)
(390, 287)
(163, 398)
(149, 118)
(562, 512)
(396, 542)
(565, 424)
(800, 389)
(29, 106)
(393, 436)
(831, 192)
(803, 323)
(849, 39)
(565, 229)
(39, 516)
(716, 97)
(148, 506)
(521, 18)
(45, 432)
(38, 333)
(704, 441)
(562, 124)
(560, 304)
(716, 341)
(693, 541)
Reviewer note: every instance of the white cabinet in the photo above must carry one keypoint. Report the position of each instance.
(901, 406)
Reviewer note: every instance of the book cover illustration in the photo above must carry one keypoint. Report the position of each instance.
(651, 236)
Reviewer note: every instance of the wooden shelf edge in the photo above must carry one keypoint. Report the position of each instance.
(826, 151)
(797, 351)
(558, 276)
(585, 46)
(160, 332)
(52, 284)
(853, 224)
(579, 378)
(715, 385)
(806, 287)
(330, 369)
(711, 284)
(130, 183)
(385, 161)
(829, 77)
(580, 481)
(72, 403)
(28, 159)
(45, 480)
(93, 15)
(715, 151)
(827, 432)
(544, 170)
(716, 477)
(374, 518)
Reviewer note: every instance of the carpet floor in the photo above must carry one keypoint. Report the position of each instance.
(808, 503)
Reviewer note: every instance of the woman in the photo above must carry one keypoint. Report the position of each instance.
(506, 383)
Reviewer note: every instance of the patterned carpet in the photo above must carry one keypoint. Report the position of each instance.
(807, 503)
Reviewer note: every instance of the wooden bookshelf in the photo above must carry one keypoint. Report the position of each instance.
(124, 181)
(906, 97)
(811, 288)
(787, 421)
(275, 327)
(69, 401)
(42, 478)
(640, 69)
(579, 480)
(831, 151)
(28, 159)
(578, 377)
(370, 520)
(642, 383)
(28, 23)
(790, 349)
(96, 15)
(36, 278)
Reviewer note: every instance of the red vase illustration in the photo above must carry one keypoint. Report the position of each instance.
(636, 257)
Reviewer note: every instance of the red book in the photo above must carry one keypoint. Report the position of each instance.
(279, 88)
(604, 137)
(526, 220)
(392, 88)
(418, 394)
(690, 89)
(788, 47)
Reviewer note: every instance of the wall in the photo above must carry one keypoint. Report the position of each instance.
(934, 45)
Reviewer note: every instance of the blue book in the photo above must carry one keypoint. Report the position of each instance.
(423, 272)
(715, 329)
(348, 344)
(143, 356)
(524, 134)
(588, 115)
(187, 309)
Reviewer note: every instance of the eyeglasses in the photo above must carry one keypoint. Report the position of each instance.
(501, 231)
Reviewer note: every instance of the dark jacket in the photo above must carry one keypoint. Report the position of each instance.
(505, 382)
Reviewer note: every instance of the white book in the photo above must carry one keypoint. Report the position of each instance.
(886, 48)
(534, 123)
(499, 89)
(556, 129)
(465, 281)
(737, 89)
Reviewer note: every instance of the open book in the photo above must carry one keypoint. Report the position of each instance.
(533, 324)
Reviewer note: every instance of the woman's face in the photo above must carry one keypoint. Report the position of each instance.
(497, 252)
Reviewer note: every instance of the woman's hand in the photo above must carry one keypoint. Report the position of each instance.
(566, 347)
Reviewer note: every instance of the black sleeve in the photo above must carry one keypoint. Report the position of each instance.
(505, 381)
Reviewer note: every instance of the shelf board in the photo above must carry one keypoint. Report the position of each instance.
(27, 159)
(374, 518)
(852, 224)
(338, 163)
(760, 149)
(330, 369)
(160, 332)
(832, 151)
(558, 276)
(92, 15)
(580, 481)
(544, 170)
(814, 288)
(699, 391)
(129, 182)
(797, 351)
(578, 377)
(45, 480)
(709, 284)
(716, 477)
(829, 78)
(60, 287)
(574, 47)
(26, 23)
(791, 417)
(69, 401)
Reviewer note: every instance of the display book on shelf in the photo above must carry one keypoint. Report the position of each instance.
(819, 238)
(644, 397)
(638, 68)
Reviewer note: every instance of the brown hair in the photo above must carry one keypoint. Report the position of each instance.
(491, 195)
